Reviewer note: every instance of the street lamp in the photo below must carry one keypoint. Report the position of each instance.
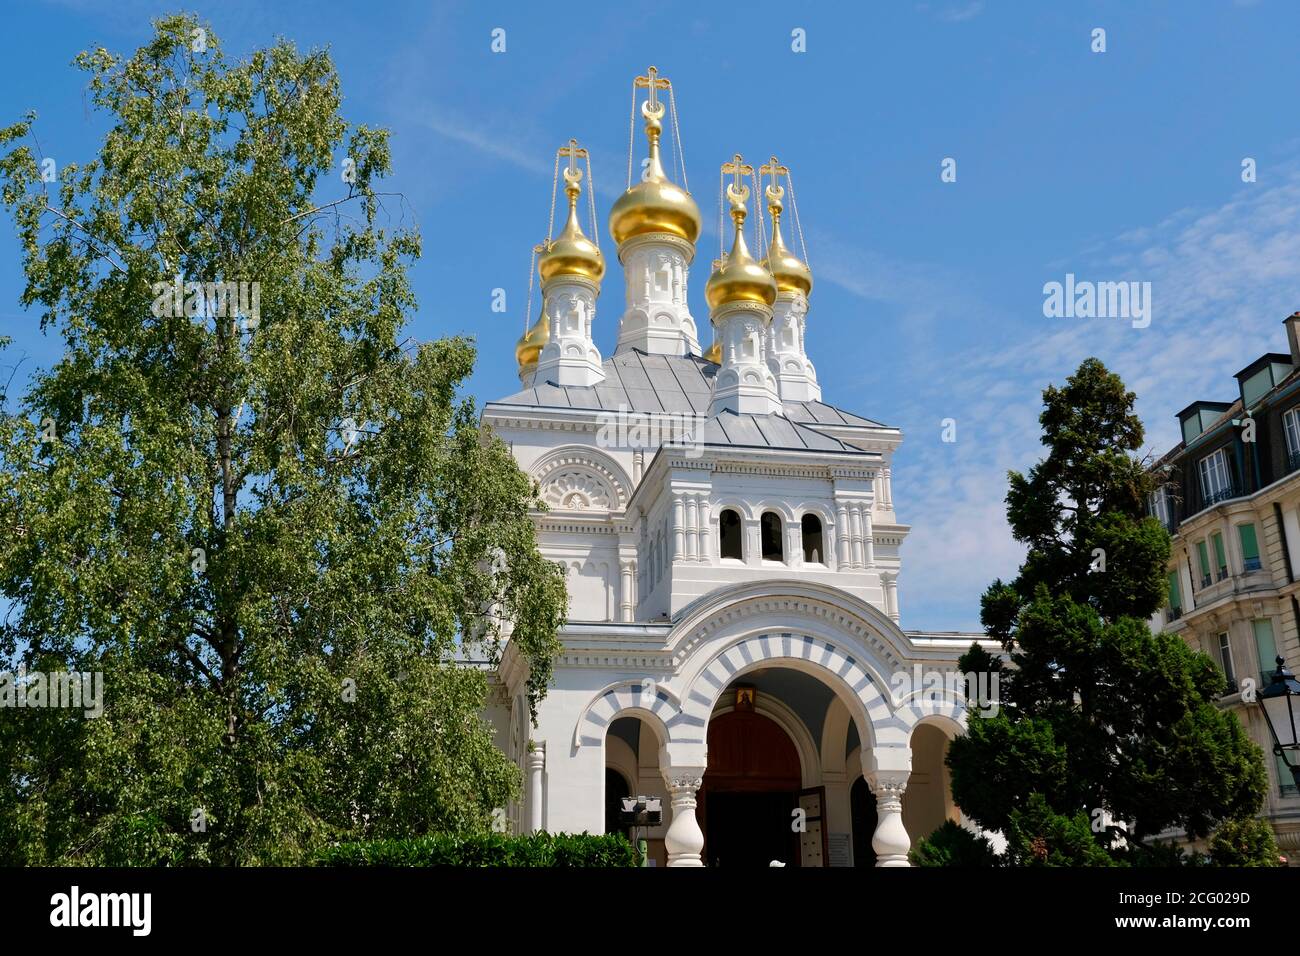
(637, 812)
(1279, 700)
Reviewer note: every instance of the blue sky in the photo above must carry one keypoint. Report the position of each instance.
(1115, 166)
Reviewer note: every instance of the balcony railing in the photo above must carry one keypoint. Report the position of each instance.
(1206, 581)
(1292, 461)
(1174, 613)
(1223, 494)
(1223, 574)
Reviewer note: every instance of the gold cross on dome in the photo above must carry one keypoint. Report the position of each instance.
(774, 169)
(737, 170)
(574, 152)
(654, 82)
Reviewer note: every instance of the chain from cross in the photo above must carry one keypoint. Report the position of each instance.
(737, 191)
(653, 82)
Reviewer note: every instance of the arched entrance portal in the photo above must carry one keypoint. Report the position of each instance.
(751, 787)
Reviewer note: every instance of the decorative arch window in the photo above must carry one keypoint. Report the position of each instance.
(770, 526)
(729, 535)
(811, 527)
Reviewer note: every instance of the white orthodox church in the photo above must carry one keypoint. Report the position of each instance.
(732, 551)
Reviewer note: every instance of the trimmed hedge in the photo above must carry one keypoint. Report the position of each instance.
(486, 849)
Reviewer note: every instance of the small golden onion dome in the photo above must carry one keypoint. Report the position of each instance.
(571, 253)
(656, 204)
(739, 278)
(531, 343)
(790, 274)
(714, 354)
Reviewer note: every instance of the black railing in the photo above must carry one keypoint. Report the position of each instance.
(1206, 580)
(1175, 613)
(1223, 494)
(1223, 573)
(1292, 461)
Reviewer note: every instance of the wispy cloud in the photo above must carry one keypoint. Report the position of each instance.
(1222, 281)
(953, 13)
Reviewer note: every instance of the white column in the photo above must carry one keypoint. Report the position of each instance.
(889, 488)
(855, 518)
(692, 529)
(684, 840)
(1185, 579)
(678, 533)
(891, 594)
(890, 840)
(706, 525)
(842, 533)
(638, 463)
(1291, 531)
(627, 573)
(868, 538)
(536, 761)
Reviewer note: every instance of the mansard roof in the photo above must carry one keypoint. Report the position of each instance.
(674, 384)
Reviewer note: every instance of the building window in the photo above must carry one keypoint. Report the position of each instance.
(1249, 547)
(771, 535)
(1216, 478)
(1220, 556)
(729, 535)
(1161, 507)
(1266, 646)
(1291, 428)
(1175, 600)
(1225, 661)
(811, 527)
(1203, 555)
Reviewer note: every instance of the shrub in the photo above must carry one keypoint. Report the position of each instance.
(1244, 842)
(486, 849)
(954, 845)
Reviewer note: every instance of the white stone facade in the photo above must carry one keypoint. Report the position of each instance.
(733, 555)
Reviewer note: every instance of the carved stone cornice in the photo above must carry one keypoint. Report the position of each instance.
(687, 249)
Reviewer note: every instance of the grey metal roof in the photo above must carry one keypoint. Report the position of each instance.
(768, 431)
(678, 384)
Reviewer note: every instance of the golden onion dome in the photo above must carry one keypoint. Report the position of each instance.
(738, 278)
(571, 253)
(656, 204)
(714, 354)
(790, 273)
(531, 343)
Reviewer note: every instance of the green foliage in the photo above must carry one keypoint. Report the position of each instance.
(1097, 712)
(1245, 842)
(954, 845)
(276, 539)
(1039, 836)
(487, 849)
